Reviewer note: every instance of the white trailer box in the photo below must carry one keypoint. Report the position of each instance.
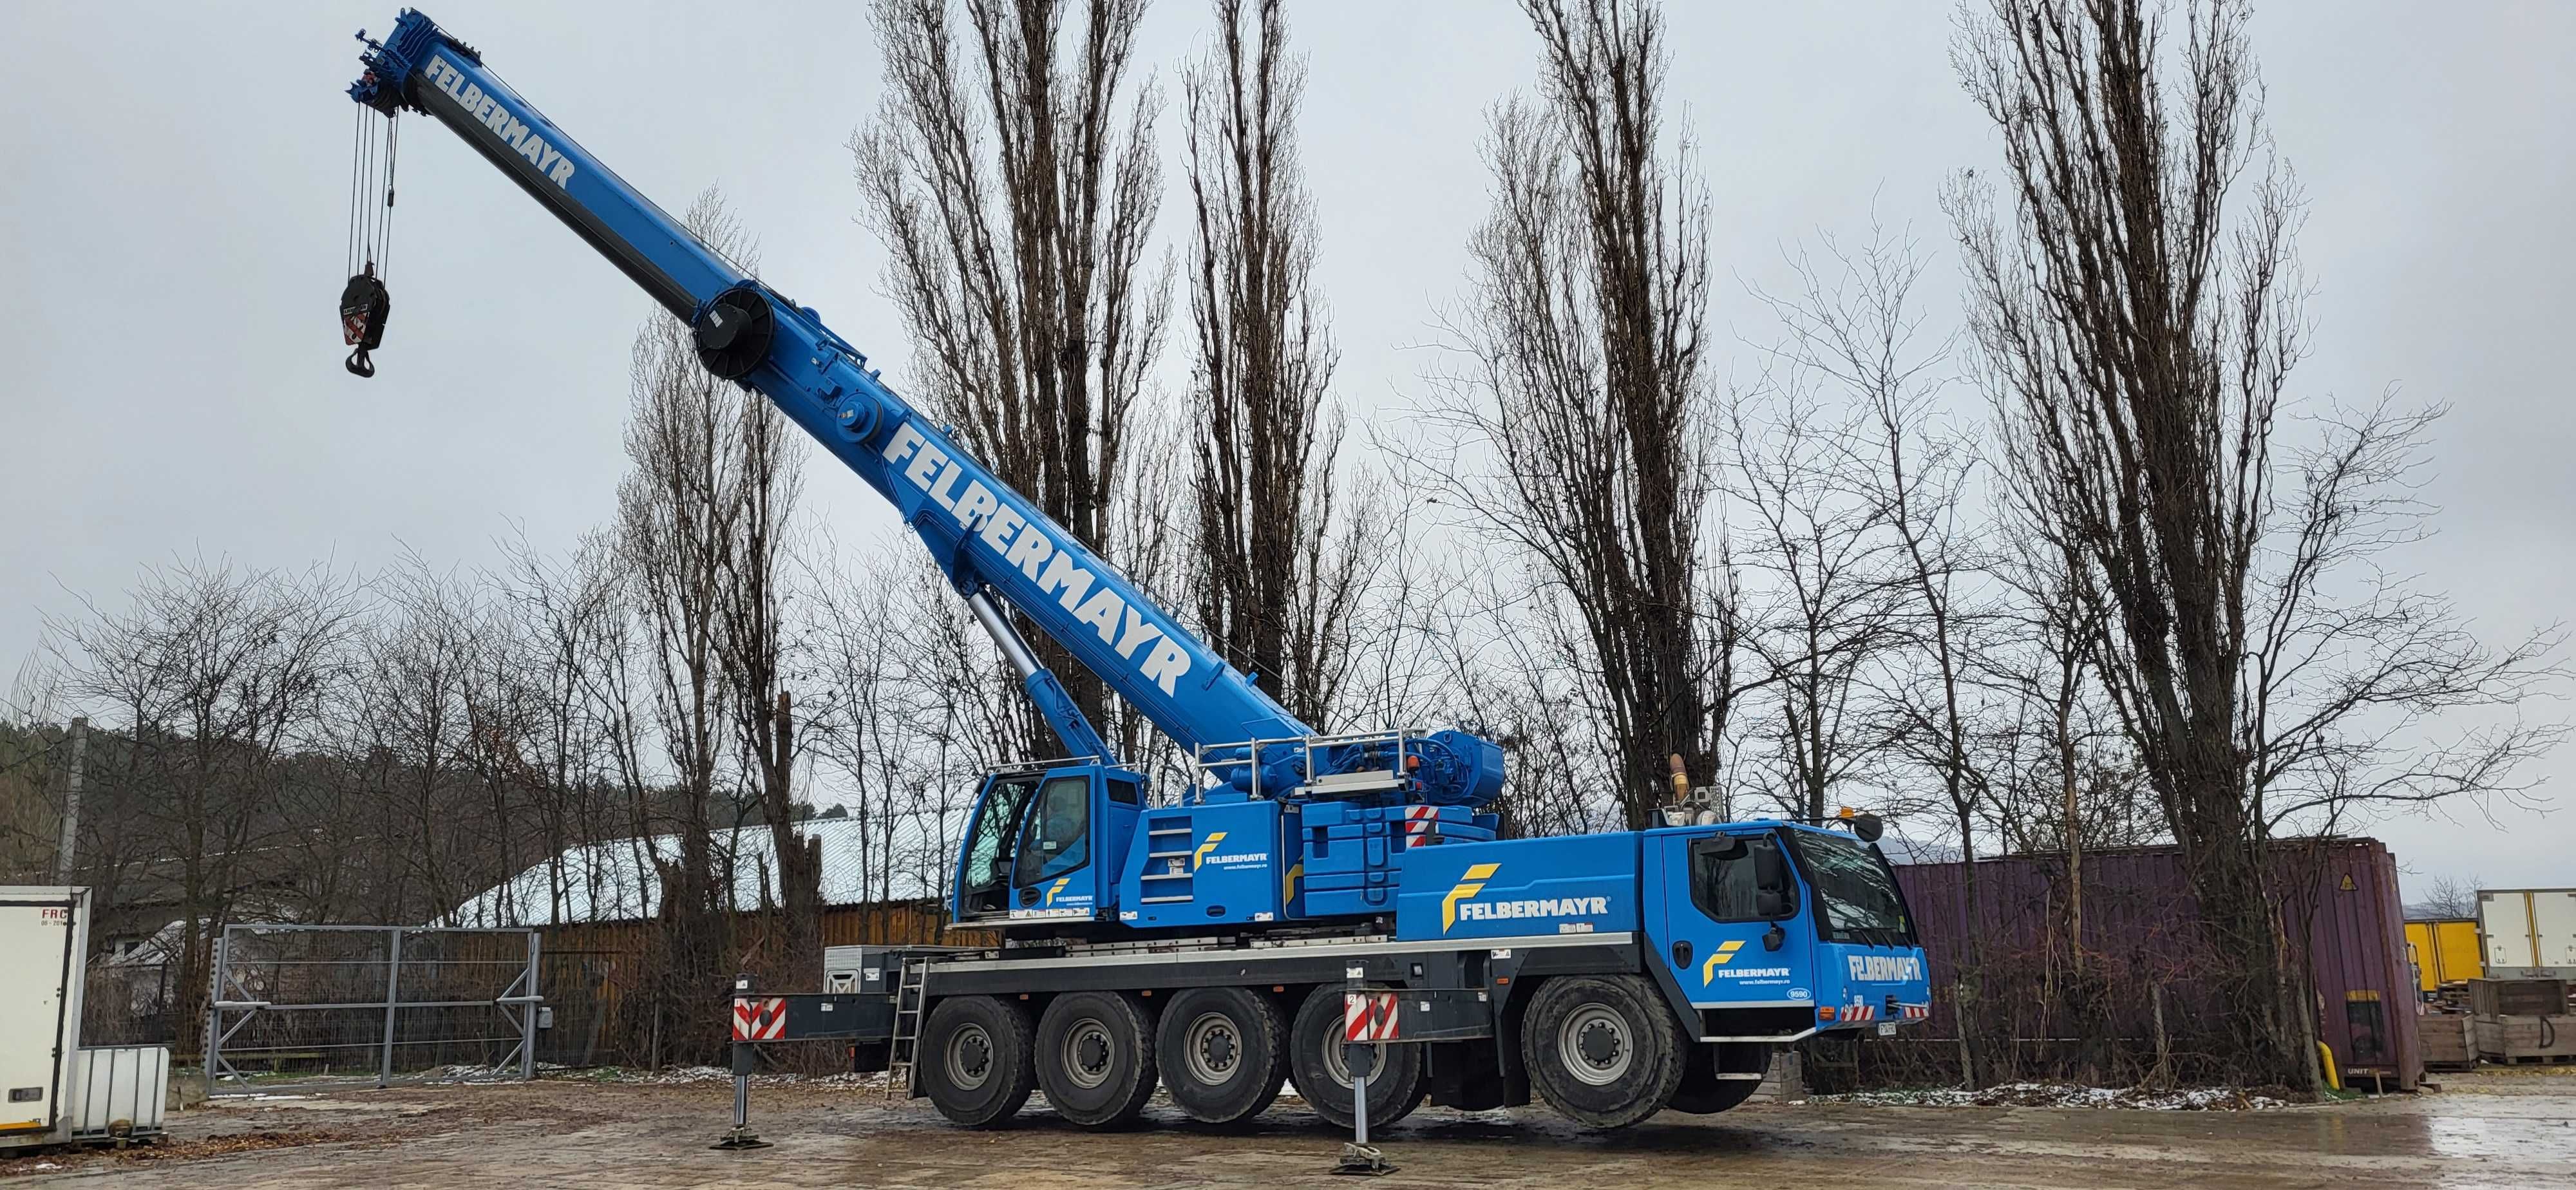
(44, 932)
(2528, 933)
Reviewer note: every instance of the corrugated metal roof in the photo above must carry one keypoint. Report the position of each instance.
(864, 860)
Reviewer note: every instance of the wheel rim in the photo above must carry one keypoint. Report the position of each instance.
(1595, 1046)
(969, 1057)
(1333, 1063)
(1087, 1054)
(1214, 1049)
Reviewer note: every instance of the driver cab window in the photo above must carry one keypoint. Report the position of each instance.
(986, 854)
(1058, 838)
(1742, 878)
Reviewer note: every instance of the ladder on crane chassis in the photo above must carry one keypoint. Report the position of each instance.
(901, 1046)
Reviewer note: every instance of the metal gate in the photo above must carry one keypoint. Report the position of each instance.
(340, 1000)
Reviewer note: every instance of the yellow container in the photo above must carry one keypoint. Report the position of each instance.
(2445, 951)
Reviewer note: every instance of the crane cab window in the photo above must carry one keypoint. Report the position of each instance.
(1742, 878)
(988, 853)
(1058, 836)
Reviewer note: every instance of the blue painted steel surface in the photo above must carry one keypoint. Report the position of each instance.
(1209, 864)
(1567, 884)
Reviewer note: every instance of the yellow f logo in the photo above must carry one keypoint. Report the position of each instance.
(1201, 855)
(1724, 954)
(1057, 887)
(1469, 885)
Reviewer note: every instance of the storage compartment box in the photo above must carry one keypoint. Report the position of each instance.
(2449, 1039)
(2513, 1039)
(2518, 997)
(118, 1091)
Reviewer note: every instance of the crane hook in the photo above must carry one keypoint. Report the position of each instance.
(363, 306)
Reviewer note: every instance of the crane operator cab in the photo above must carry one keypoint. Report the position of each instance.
(1043, 843)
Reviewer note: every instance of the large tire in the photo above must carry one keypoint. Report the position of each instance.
(1095, 1058)
(974, 1060)
(1222, 1052)
(1603, 1050)
(1702, 1093)
(1324, 1081)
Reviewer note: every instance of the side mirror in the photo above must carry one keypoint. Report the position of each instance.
(1867, 828)
(1770, 883)
(1770, 871)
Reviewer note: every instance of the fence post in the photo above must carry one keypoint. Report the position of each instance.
(214, 1050)
(393, 996)
(528, 1015)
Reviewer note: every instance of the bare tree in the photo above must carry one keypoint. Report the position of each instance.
(1819, 601)
(683, 509)
(1855, 320)
(1277, 584)
(212, 674)
(752, 607)
(2449, 896)
(1581, 429)
(1013, 176)
(567, 622)
(906, 719)
(413, 709)
(2138, 308)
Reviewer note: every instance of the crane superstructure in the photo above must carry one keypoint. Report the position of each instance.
(1293, 859)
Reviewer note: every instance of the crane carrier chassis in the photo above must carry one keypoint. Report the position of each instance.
(1608, 1026)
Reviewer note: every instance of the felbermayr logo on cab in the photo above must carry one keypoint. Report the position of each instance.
(1457, 903)
(1882, 968)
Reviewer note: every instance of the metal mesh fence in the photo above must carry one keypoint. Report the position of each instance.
(381, 1000)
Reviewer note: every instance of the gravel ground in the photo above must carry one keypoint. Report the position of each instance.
(2506, 1129)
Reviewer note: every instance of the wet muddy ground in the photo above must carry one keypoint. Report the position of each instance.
(2509, 1129)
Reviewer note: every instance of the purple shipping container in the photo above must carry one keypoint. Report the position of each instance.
(2337, 899)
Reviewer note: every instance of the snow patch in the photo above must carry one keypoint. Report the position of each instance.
(2066, 1095)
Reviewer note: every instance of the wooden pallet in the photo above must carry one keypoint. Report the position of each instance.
(2531, 1059)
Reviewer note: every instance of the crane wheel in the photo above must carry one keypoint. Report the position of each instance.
(1702, 1093)
(1095, 1058)
(1603, 1050)
(975, 1060)
(1324, 1082)
(1222, 1053)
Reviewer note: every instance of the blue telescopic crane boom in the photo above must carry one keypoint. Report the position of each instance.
(988, 539)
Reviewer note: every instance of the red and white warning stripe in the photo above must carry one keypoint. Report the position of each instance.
(1917, 1012)
(1368, 1016)
(1861, 1012)
(759, 1019)
(1418, 820)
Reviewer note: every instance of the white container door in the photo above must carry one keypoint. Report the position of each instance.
(2553, 921)
(36, 937)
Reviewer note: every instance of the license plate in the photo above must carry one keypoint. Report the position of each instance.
(1887, 1028)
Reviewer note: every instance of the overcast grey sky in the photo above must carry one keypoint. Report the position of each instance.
(174, 179)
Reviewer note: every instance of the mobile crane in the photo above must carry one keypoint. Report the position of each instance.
(1203, 944)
